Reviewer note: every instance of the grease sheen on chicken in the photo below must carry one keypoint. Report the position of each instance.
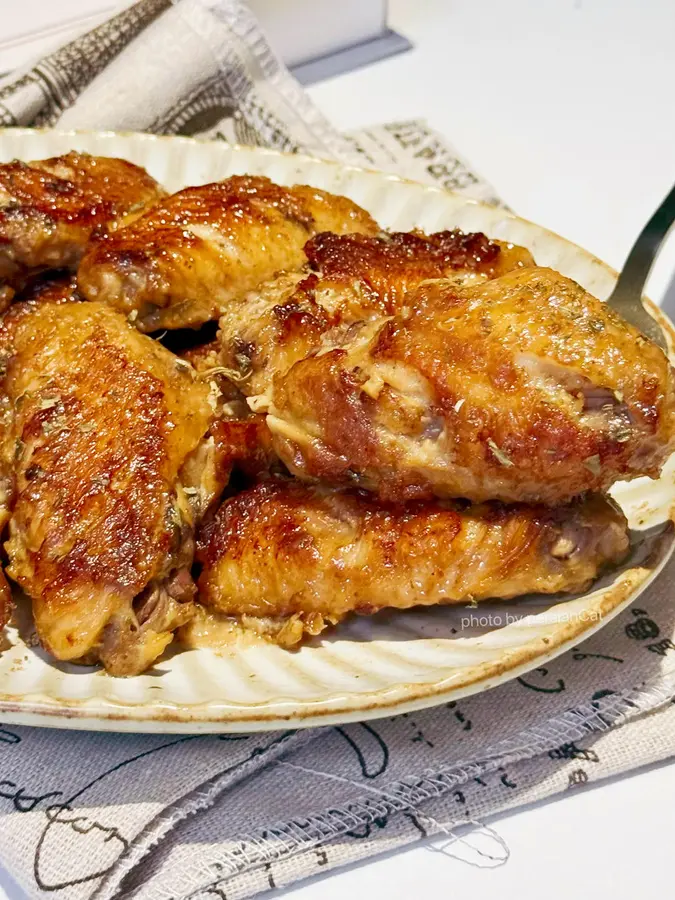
(289, 559)
(49, 209)
(101, 422)
(6, 603)
(523, 388)
(347, 278)
(179, 265)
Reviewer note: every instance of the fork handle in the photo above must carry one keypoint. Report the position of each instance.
(630, 285)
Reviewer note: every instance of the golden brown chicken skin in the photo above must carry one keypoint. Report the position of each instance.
(524, 388)
(179, 265)
(347, 278)
(103, 421)
(244, 444)
(237, 438)
(381, 270)
(297, 558)
(49, 209)
(6, 604)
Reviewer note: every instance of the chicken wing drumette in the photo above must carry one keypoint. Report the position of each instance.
(49, 209)
(288, 559)
(101, 422)
(523, 388)
(181, 264)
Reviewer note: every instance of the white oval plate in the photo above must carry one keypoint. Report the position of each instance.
(368, 667)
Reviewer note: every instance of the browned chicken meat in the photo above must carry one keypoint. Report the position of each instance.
(380, 271)
(49, 209)
(523, 389)
(290, 559)
(242, 443)
(6, 604)
(347, 278)
(181, 264)
(237, 438)
(102, 421)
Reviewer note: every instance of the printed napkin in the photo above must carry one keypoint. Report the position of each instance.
(88, 816)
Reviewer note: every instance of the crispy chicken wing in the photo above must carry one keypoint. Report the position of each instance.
(523, 388)
(180, 264)
(289, 559)
(103, 420)
(347, 278)
(49, 209)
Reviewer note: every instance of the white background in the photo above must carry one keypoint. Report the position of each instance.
(567, 107)
(299, 29)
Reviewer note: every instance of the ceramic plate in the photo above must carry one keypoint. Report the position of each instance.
(368, 667)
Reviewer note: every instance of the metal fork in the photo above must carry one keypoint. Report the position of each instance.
(626, 298)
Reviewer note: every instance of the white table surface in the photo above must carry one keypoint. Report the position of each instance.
(566, 106)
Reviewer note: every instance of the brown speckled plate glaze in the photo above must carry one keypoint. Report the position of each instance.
(369, 667)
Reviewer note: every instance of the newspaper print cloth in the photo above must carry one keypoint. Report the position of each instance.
(203, 67)
(86, 816)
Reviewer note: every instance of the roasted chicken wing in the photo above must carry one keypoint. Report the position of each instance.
(347, 278)
(288, 559)
(102, 422)
(180, 264)
(49, 209)
(523, 389)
